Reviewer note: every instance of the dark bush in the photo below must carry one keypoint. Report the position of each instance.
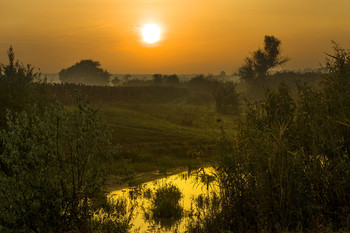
(171, 79)
(87, 72)
(54, 169)
(288, 166)
(20, 88)
(226, 97)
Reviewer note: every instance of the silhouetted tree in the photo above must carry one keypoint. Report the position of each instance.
(115, 81)
(157, 79)
(171, 79)
(199, 83)
(85, 71)
(262, 60)
(126, 77)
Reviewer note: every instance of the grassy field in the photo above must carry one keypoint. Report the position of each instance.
(161, 138)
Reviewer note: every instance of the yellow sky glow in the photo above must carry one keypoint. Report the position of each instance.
(199, 36)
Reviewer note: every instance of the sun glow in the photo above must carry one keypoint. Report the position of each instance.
(151, 33)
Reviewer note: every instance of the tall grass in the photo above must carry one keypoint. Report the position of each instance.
(288, 166)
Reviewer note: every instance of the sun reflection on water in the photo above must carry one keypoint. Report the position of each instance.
(197, 183)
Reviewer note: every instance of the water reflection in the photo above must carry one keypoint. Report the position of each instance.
(165, 204)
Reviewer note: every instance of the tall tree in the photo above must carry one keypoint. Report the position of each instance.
(86, 72)
(262, 60)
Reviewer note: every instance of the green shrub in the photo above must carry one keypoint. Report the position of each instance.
(20, 88)
(288, 166)
(226, 97)
(52, 169)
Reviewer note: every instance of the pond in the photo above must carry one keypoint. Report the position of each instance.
(164, 205)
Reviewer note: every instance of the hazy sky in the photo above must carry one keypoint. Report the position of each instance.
(198, 36)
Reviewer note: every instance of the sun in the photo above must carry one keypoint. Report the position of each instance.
(151, 33)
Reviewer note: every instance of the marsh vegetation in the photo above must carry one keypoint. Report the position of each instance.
(279, 143)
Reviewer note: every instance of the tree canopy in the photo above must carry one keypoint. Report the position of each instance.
(87, 72)
(262, 60)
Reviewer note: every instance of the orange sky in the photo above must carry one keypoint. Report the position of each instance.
(199, 36)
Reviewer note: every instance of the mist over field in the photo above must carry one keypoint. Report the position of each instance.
(174, 116)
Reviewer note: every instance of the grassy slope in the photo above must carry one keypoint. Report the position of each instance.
(132, 127)
(159, 137)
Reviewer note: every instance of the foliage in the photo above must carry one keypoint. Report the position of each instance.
(254, 91)
(257, 66)
(157, 79)
(166, 79)
(87, 72)
(115, 81)
(205, 216)
(127, 94)
(115, 215)
(20, 88)
(165, 200)
(199, 82)
(199, 87)
(222, 73)
(171, 79)
(226, 96)
(288, 167)
(165, 208)
(54, 169)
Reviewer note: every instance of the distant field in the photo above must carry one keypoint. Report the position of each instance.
(159, 137)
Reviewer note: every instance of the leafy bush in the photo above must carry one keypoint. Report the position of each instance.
(20, 88)
(288, 167)
(52, 169)
(226, 97)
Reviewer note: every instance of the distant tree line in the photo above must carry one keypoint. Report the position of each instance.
(165, 79)
(108, 94)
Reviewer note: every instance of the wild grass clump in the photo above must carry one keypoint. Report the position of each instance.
(205, 214)
(166, 202)
(288, 166)
(165, 207)
(113, 215)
